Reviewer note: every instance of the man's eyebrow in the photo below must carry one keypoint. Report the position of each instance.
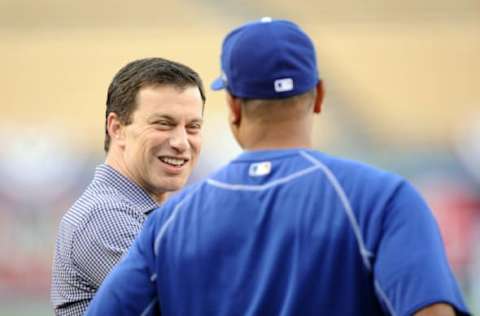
(197, 120)
(154, 117)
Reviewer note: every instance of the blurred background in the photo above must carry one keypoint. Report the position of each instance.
(402, 93)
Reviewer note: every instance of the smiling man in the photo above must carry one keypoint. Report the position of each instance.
(152, 141)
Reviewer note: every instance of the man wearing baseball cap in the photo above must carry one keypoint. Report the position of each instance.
(284, 229)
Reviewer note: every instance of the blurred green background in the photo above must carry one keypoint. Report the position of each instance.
(402, 93)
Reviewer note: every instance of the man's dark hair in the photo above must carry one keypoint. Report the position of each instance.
(141, 73)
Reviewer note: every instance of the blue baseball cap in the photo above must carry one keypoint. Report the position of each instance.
(267, 59)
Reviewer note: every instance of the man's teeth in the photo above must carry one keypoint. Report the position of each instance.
(173, 161)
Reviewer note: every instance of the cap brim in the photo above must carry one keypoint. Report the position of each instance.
(218, 84)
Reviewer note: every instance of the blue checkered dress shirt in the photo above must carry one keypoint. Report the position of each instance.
(93, 235)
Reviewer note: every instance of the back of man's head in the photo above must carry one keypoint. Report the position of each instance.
(269, 70)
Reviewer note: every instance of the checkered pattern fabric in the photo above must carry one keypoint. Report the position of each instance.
(92, 237)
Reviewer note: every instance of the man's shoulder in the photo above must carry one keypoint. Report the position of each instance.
(93, 198)
(346, 168)
(359, 181)
(97, 205)
(97, 223)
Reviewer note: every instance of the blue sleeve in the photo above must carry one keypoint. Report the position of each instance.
(130, 289)
(411, 269)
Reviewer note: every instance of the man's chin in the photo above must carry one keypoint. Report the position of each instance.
(171, 185)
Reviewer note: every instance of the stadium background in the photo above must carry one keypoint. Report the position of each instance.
(402, 93)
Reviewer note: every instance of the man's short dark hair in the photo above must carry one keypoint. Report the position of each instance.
(137, 74)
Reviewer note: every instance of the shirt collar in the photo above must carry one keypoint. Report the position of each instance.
(141, 199)
(269, 154)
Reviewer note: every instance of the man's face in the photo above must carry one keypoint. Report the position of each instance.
(162, 143)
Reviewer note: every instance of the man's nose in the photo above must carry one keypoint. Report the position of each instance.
(179, 139)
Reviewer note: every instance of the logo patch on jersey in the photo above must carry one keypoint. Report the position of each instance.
(260, 169)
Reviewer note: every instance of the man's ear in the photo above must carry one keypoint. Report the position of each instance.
(317, 108)
(235, 115)
(115, 128)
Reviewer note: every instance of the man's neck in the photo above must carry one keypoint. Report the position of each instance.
(119, 165)
(257, 137)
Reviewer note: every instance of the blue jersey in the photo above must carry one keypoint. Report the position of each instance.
(286, 232)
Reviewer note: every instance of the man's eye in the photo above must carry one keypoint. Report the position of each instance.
(162, 123)
(195, 126)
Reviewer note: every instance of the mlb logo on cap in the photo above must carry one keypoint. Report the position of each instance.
(282, 85)
(267, 59)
